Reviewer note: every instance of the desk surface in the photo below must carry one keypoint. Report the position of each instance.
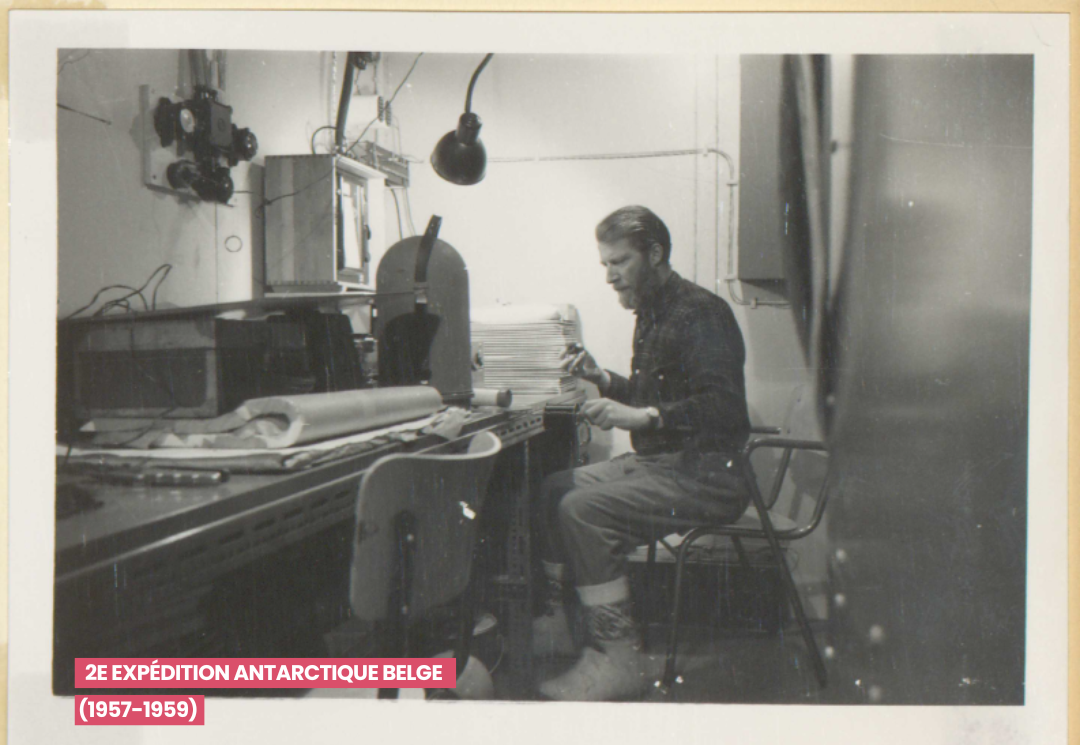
(260, 563)
(132, 519)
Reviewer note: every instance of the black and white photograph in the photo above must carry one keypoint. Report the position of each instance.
(635, 361)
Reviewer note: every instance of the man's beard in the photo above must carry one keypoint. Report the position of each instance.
(647, 284)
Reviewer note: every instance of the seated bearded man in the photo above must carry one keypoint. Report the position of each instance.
(685, 407)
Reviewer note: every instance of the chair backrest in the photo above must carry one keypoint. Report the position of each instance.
(820, 473)
(431, 502)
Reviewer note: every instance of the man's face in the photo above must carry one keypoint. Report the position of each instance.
(628, 270)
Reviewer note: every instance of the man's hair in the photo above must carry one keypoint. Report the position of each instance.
(639, 225)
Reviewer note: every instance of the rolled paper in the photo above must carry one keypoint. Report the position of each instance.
(320, 416)
(492, 397)
(280, 421)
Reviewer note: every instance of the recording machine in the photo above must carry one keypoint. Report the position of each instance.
(193, 363)
(422, 316)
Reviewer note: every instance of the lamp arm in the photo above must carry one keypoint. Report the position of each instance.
(351, 60)
(472, 83)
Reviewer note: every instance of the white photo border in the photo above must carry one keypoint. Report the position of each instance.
(35, 36)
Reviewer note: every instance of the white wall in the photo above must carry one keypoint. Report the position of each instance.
(526, 231)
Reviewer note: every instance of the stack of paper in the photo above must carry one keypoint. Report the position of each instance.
(523, 348)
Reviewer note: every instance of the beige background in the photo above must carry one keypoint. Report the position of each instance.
(646, 726)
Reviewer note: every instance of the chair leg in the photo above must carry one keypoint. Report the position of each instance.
(803, 621)
(744, 559)
(649, 584)
(466, 624)
(790, 589)
(398, 610)
(673, 639)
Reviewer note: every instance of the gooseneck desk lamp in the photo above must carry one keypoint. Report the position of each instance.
(460, 157)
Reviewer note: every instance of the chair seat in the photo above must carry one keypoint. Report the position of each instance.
(751, 520)
(715, 544)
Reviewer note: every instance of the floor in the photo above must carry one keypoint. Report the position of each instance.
(717, 667)
(713, 667)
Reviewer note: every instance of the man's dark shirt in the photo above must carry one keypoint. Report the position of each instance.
(688, 363)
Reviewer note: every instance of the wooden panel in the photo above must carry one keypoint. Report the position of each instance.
(300, 220)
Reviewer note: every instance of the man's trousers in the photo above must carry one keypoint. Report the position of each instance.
(596, 515)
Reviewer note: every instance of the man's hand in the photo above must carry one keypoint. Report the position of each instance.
(605, 413)
(577, 361)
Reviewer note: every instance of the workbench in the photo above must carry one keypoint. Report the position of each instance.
(258, 566)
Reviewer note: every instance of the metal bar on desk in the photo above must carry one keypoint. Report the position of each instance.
(237, 499)
(208, 533)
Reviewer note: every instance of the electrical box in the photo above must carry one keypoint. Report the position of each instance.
(190, 146)
(765, 220)
(773, 201)
(323, 216)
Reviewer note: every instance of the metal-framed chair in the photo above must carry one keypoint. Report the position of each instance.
(758, 522)
(416, 518)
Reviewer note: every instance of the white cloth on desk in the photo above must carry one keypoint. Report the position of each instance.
(274, 422)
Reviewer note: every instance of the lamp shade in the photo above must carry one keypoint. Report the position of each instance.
(460, 157)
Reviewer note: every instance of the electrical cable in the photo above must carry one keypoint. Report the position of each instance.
(116, 302)
(408, 213)
(408, 200)
(260, 210)
(167, 268)
(407, 74)
(83, 113)
(397, 208)
(397, 145)
(316, 132)
(153, 301)
(149, 428)
(138, 366)
(73, 60)
(165, 386)
(396, 130)
(396, 90)
(333, 86)
(97, 295)
(472, 82)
